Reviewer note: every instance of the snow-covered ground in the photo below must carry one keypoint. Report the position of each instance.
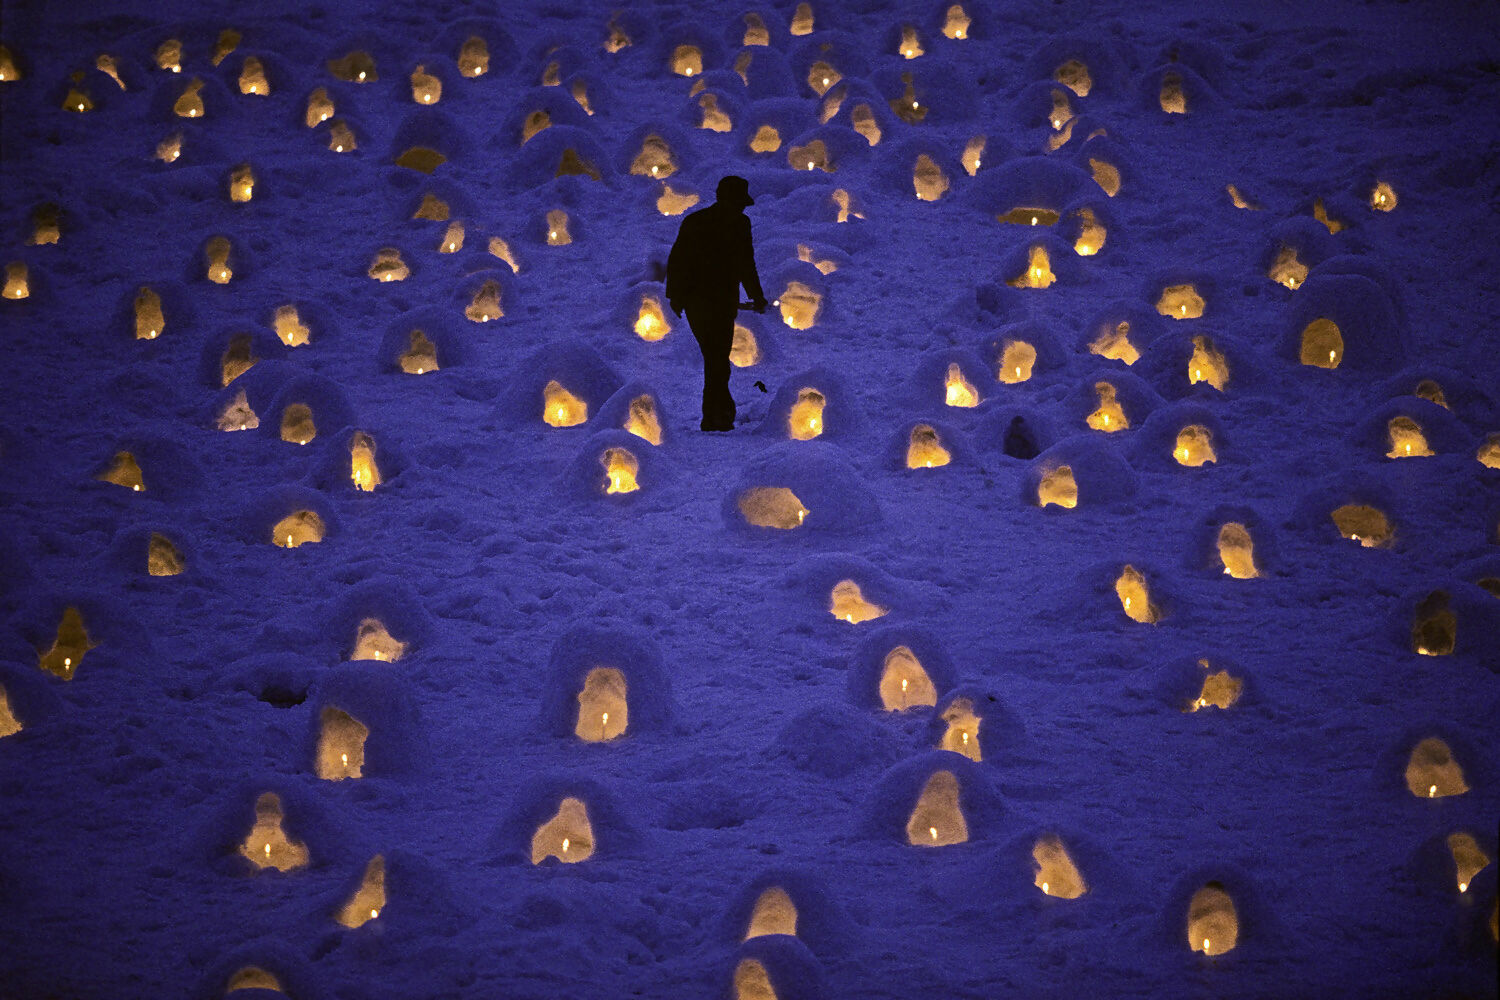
(758, 753)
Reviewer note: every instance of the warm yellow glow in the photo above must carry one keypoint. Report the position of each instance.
(68, 648)
(1055, 874)
(1173, 99)
(744, 352)
(170, 148)
(190, 103)
(485, 307)
(241, 184)
(474, 57)
(1220, 690)
(799, 305)
(959, 391)
(1407, 439)
(765, 140)
(1057, 487)
(742, 66)
(253, 78)
(847, 603)
(1432, 773)
(253, 977)
(772, 507)
(924, 450)
(1091, 234)
(1207, 364)
(904, 683)
(1321, 214)
(1322, 344)
(1383, 198)
(373, 642)
(557, 228)
(567, 836)
(355, 67)
(341, 745)
(687, 60)
(813, 156)
(425, 88)
(123, 471)
(9, 724)
(388, 265)
(973, 155)
(802, 19)
(821, 76)
(300, 527)
(1024, 215)
(423, 159)
(453, 238)
(1106, 175)
(1363, 524)
(1109, 416)
(237, 359)
(1016, 362)
(603, 709)
(956, 23)
(46, 230)
(500, 249)
(1058, 139)
(962, 734)
(297, 425)
(651, 323)
(369, 899)
(1062, 110)
(1038, 273)
(169, 56)
(672, 202)
(1469, 858)
(1237, 551)
(938, 819)
(714, 119)
(1074, 75)
(805, 421)
(1195, 446)
(228, 41)
(364, 473)
(756, 32)
(1434, 630)
(620, 471)
(267, 846)
(751, 981)
(149, 321)
(1287, 270)
(1239, 200)
(1135, 597)
(216, 254)
(928, 179)
(9, 71)
(844, 204)
(238, 416)
(911, 46)
(560, 408)
(319, 108)
(642, 420)
(1114, 343)
(1213, 926)
(580, 92)
(907, 107)
(162, 557)
(341, 138)
(1488, 454)
(1180, 302)
(774, 913)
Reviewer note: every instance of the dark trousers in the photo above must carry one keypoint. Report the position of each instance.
(713, 328)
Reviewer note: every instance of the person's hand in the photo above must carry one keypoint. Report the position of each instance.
(760, 305)
(676, 307)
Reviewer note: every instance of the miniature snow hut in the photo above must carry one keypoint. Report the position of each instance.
(936, 799)
(604, 682)
(556, 819)
(1077, 470)
(801, 485)
(897, 668)
(561, 385)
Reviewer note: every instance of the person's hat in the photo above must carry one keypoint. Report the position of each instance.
(734, 189)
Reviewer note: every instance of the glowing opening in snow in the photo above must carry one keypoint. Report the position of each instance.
(1114, 343)
(341, 138)
(1055, 874)
(320, 108)
(744, 352)
(928, 179)
(813, 156)
(500, 249)
(297, 425)
(1213, 926)
(388, 265)
(341, 745)
(364, 473)
(242, 184)
(765, 140)
(1195, 446)
(1488, 454)
(1237, 551)
(557, 228)
(1109, 416)
(910, 46)
(474, 57)
(300, 527)
(907, 107)
(169, 56)
(228, 41)
(620, 471)
(1239, 201)
(672, 202)
(844, 203)
(190, 103)
(1469, 858)
(46, 226)
(742, 67)
(425, 88)
(485, 306)
(560, 408)
(1074, 75)
(821, 76)
(847, 603)
(973, 155)
(1287, 270)
(1180, 302)
(687, 60)
(123, 471)
(1173, 100)
(289, 327)
(369, 899)
(924, 450)
(774, 913)
(1106, 175)
(1321, 214)
(169, 148)
(9, 724)
(1062, 110)
(1429, 390)
(756, 32)
(1207, 364)
(253, 78)
(266, 845)
(1363, 524)
(603, 709)
(580, 92)
(824, 266)
(253, 977)
(355, 67)
(423, 159)
(216, 252)
(77, 101)
(654, 159)
(1322, 344)
(162, 557)
(1024, 215)
(1434, 630)
(713, 119)
(1057, 487)
(453, 238)
(751, 982)
(373, 642)
(1091, 233)
(1383, 198)
(956, 23)
(1038, 273)
(1135, 597)
(802, 19)
(420, 356)
(1057, 140)
(938, 819)
(957, 390)
(62, 658)
(567, 836)
(904, 683)
(1219, 690)
(1016, 362)
(1407, 440)
(1432, 773)
(237, 359)
(642, 420)
(799, 305)
(772, 507)
(805, 421)
(962, 734)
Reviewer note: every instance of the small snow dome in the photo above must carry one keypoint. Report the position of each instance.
(934, 800)
(267, 845)
(654, 158)
(801, 485)
(971, 722)
(635, 409)
(1180, 301)
(369, 899)
(1343, 319)
(899, 668)
(925, 448)
(1434, 626)
(1184, 435)
(425, 87)
(290, 516)
(1202, 684)
(604, 683)
(1194, 446)
(1054, 871)
(1077, 470)
(66, 653)
(1212, 923)
(1431, 772)
(218, 260)
(1469, 858)
(557, 819)
(1121, 331)
(123, 471)
(774, 967)
(787, 902)
(354, 67)
(190, 102)
(561, 385)
(320, 108)
(812, 404)
(1021, 350)
(17, 281)
(1135, 596)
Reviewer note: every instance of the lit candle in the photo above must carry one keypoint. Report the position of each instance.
(933, 831)
(1431, 791)
(1045, 888)
(565, 845)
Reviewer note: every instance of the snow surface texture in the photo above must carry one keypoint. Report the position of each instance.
(489, 540)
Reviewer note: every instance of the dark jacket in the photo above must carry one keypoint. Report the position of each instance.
(712, 257)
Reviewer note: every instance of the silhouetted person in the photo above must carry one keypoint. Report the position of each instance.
(1018, 442)
(712, 257)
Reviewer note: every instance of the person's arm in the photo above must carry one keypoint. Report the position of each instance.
(749, 277)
